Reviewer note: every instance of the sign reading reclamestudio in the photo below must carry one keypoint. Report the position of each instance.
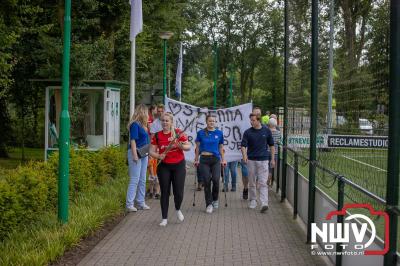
(340, 141)
(232, 121)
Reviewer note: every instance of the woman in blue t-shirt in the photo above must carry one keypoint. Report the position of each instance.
(209, 146)
(138, 138)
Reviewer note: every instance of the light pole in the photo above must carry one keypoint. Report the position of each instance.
(215, 73)
(166, 35)
(63, 176)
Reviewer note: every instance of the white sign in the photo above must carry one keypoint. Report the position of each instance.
(232, 121)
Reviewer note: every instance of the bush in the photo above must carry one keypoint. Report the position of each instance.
(29, 190)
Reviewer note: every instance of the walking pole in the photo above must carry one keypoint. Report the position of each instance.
(195, 187)
(225, 189)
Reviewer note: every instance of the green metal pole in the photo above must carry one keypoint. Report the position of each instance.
(285, 103)
(165, 71)
(340, 218)
(392, 188)
(63, 177)
(296, 185)
(314, 109)
(230, 89)
(215, 73)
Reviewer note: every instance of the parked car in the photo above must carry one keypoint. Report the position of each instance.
(340, 120)
(366, 126)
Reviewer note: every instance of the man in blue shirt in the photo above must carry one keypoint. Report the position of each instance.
(255, 153)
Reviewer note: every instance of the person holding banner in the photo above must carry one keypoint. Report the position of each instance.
(156, 124)
(245, 179)
(209, 146)
(230, 168)
(254, 148)
(155, 127)
(154, 187)
(138, 138)
(167, 146)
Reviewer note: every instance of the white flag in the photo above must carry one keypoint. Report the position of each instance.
(136, 18)
(178, 80)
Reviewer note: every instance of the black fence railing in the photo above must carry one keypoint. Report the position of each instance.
(338, 178)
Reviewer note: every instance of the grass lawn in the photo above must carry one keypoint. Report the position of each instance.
(365, 167)
(36, 154)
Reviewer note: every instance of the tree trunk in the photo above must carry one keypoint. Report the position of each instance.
(60, 15)
(23, 137)
(352, 12)
(251, 86)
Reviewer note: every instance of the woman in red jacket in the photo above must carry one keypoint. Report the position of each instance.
(170, 144)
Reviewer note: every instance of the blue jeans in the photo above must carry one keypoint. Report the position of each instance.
(232, 168)
(243, 166)
(137, 180)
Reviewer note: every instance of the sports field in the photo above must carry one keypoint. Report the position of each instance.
(365, 167)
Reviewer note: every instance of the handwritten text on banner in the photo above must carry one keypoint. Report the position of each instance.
(232, 121)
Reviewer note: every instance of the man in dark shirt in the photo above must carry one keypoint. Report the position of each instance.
(255, 153)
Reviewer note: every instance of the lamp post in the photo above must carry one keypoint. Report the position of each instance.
(63, 176)
(215, 73)
(166, 35)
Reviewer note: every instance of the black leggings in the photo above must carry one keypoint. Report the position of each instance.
(175, 174)
(210, 170)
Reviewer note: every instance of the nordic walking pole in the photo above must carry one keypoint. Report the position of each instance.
(225, 189)
(195, 187)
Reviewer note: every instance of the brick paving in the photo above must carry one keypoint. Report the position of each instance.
(233, 235)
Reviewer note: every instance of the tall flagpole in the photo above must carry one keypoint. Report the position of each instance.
(136, 28)
(133, 75)
(178, 79)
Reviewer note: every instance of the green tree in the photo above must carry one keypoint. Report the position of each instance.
(9, 31)
(242, 30)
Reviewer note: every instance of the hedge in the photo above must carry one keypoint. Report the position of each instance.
(29, 190)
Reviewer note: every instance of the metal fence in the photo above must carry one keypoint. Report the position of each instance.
(362, 105)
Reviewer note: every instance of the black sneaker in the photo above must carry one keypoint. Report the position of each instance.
(264, 208)
(233, 189)
(245, 193)
(157, 196)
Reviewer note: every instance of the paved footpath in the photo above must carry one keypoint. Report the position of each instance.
(233, 235)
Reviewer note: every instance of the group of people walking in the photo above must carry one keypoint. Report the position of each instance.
(156, 144)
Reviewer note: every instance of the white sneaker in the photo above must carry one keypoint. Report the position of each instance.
(180, 215)
(209, 209)
(253, 204)
(215, 204)
(163, 222)
(144, 207)
(131, 209)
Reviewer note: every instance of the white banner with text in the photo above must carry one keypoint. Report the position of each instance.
(233, 121)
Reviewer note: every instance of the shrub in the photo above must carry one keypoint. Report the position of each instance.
(29, 190)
